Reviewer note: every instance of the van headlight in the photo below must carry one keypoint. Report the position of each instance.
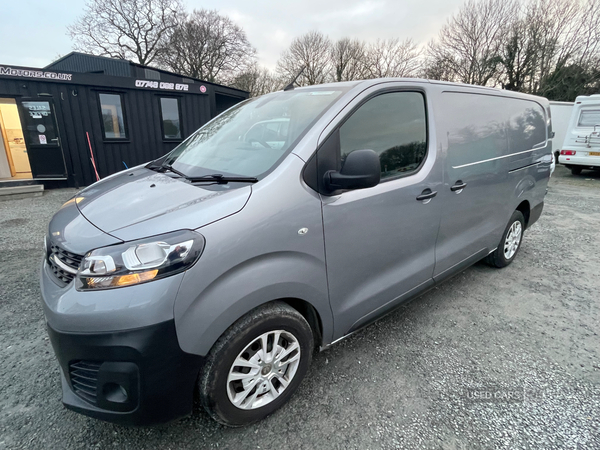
(139, 261)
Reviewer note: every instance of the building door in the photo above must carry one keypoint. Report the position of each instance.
(43, 139)
(13, 146)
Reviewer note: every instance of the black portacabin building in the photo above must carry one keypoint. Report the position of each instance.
(84, 114)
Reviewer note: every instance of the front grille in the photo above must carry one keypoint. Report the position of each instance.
(84, 379)
(69, 259)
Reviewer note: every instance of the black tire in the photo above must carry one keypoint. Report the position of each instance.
(497, 258)
(556, 155)
(576, 170)
(212, 383)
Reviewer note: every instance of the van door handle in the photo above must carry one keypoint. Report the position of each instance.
(426, 195)
(458, 186)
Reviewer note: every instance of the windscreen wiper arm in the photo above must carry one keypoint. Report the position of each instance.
(222, 179)
(166, 167)
(170, 168)
(218, 178)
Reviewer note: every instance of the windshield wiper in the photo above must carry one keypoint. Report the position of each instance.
(218, 178)
(222, 179)
(170, 168)
(166, 167)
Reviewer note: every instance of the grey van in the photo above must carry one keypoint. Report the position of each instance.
(282, 226)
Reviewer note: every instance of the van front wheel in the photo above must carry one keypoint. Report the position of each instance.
(256, 365)
(510, 243)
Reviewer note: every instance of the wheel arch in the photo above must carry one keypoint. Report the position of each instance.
(525, 209)
(207, 318)
(310, 313)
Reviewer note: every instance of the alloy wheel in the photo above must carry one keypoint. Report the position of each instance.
(513, 239)
(263, 370)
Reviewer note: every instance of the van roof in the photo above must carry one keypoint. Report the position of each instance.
(557, 103)
(375, 81)
(587, 98)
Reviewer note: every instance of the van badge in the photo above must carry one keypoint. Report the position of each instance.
(302, 231)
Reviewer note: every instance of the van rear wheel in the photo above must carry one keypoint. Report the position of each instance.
(576, 170)
(256, 365)
(510, 244)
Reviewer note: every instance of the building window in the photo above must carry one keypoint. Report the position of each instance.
(113, 118)
(170, 118)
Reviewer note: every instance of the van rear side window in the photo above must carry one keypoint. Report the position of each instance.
(589, 118)
(486, 127)
(475, 126)
(527, 125)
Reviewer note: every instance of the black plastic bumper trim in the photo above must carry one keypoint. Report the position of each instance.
(159, 376)
(535, 214)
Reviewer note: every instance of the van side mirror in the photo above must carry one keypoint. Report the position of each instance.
(360, 170)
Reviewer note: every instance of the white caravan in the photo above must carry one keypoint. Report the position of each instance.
(581, 147)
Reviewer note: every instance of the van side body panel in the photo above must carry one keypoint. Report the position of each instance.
(254, 257)
(469, 135)
(498, 145)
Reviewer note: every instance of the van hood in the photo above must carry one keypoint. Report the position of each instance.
(139, 202)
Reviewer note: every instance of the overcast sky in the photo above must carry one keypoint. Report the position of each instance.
(33, 32)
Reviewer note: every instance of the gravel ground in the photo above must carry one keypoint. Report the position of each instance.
(527, 335)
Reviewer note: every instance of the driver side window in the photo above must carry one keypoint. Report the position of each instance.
(394, 126)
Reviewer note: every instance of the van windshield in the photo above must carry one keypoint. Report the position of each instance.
(251, 138)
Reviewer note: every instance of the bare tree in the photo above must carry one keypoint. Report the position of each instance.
(551, 23)
(258, 81)
(588, 45)
(310, 51)
(469, 43)
(349, 60)
(545, 47)
(209, 46)
(434, 68)
(568, 42)
(126, 29)
(552, 48)
(518, 56)
(393, 58)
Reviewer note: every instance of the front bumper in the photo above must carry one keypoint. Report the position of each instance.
(133, 377)
(107, 310)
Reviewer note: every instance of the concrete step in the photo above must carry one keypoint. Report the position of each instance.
(10, 182)
(16, 192)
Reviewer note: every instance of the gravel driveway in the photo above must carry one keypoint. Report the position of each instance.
(490, 359)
